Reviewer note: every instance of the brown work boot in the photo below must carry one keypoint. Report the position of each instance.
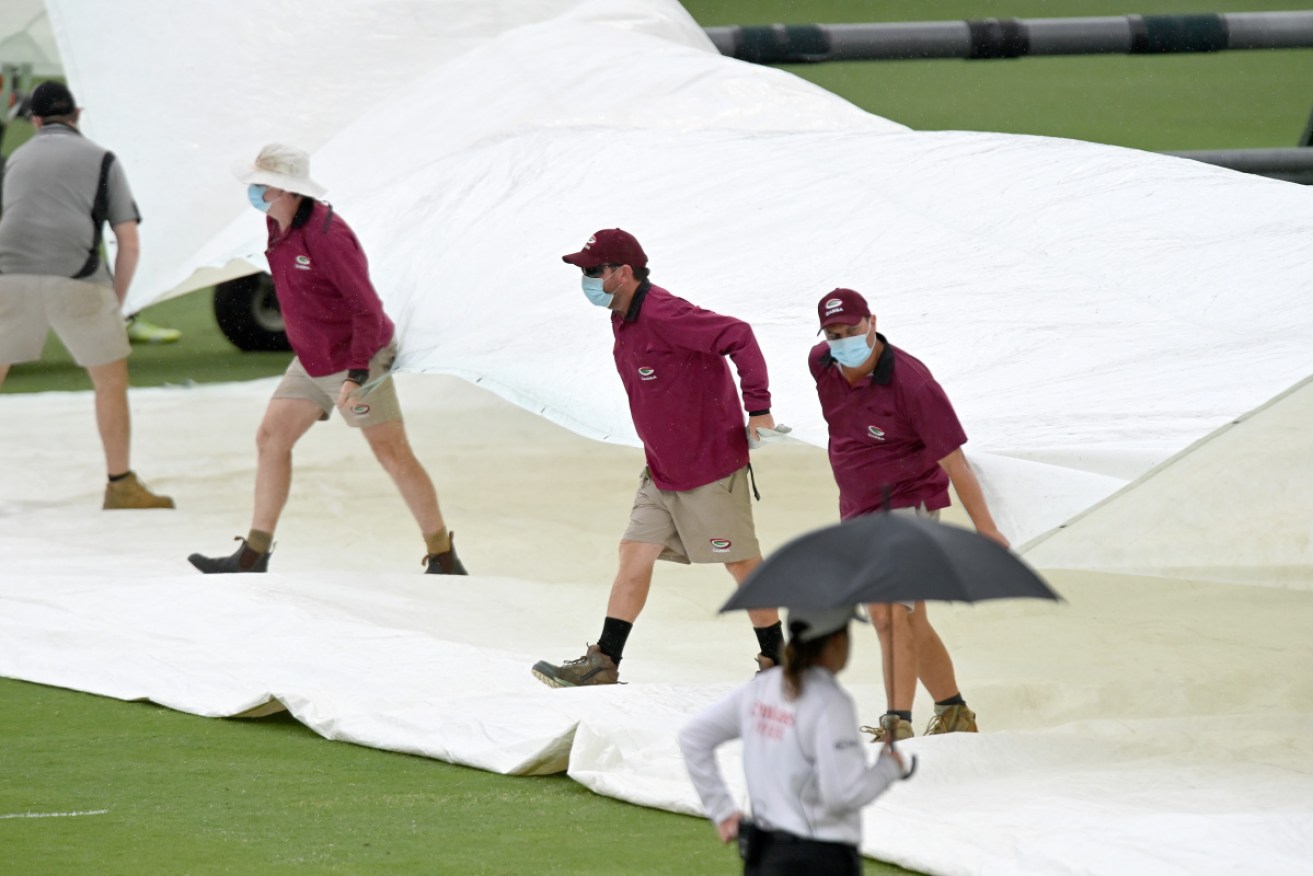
(246, 559)
(764, 663)
(592, 668)
(900, 728)
(130, 492)
(445, 563)
(952, 719)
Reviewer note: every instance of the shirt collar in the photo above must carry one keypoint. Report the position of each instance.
(631, 315)
(884, 366)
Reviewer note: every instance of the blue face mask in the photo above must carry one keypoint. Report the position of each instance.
(593, 289)
(255, 193)
(851, 352)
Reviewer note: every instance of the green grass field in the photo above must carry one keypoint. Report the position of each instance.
(181, 794)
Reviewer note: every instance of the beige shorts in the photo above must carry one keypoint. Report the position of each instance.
(919, 511)
(708, 524)
(379, 405)
(84, 315)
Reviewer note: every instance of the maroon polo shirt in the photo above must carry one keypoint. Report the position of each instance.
(671, 359)
(887, 433)
(334, 319)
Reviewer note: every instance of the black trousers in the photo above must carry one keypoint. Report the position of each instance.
(783, 854)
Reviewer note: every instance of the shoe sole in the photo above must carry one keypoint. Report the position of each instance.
(549, 680)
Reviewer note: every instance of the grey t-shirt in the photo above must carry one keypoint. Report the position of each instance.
(50, 187)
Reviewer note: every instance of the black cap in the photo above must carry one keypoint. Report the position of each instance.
(52, 99)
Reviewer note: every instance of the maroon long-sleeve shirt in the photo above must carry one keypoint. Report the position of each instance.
(334, 318)
(671, 359)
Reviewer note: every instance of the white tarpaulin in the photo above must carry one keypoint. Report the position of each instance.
(1146, 726)
(26, 38)
(1091, 310)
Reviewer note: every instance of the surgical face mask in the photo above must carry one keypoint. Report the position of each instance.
(851, 352)
(255, 193)
(593, 289)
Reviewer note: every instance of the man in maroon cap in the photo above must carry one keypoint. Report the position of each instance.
(895, 443)
(692, 504)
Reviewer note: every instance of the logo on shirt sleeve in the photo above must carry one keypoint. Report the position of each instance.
(647, 373)
(721, 545)
(875, 432)
(303, 263)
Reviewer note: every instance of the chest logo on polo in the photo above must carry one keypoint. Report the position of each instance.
(721, 545)
(875, 432)
(303, 263)
(647, 373)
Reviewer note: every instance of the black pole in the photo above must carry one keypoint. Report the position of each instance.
(1015, 38)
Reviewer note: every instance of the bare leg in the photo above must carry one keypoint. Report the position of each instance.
(393, 451)
(633, 580)
(285, 421)
(4, 372)
(898, 653)
(112, 418)
(933, 664)
(760, 617)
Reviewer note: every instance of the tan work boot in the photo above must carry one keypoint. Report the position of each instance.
(890, 723)
(952, 719)
(764, 663)
(592, 668)
(130, 492)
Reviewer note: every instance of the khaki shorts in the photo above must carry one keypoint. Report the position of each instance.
(84, 315)
(380, 405)
(708, 524)
(919, 511)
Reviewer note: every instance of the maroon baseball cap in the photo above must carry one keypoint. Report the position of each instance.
(842, 307)
(610, 246)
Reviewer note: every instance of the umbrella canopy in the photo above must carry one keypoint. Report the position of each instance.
(887, 558)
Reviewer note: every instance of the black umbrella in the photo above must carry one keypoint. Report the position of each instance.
(887, 558)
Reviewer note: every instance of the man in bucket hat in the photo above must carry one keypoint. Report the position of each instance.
(343, 340)
(692, 504)
(60, 190)
(895, 445)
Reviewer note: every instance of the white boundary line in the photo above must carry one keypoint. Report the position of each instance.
(54, 814)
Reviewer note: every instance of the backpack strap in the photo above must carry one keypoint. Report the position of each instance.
(99, 213)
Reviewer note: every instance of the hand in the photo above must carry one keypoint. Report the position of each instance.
(888, 750)
(728, 830)
(995, 535)
(765, 421)
(349, 389)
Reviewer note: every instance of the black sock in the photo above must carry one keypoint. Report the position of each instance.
(954, 700)
(771, 640)
(119, 477)
(615, 633)
(906, 716)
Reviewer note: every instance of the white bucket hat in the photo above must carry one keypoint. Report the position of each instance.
(283, 167)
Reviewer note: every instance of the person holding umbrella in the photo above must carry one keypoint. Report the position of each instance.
(895, 445)
(806, 772)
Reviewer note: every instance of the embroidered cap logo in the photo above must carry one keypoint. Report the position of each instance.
(875, 432)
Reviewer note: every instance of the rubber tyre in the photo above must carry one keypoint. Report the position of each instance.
(248, 315)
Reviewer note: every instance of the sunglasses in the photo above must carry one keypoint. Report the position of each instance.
(597, 271)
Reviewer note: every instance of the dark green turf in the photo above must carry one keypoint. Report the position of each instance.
(189, 795)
